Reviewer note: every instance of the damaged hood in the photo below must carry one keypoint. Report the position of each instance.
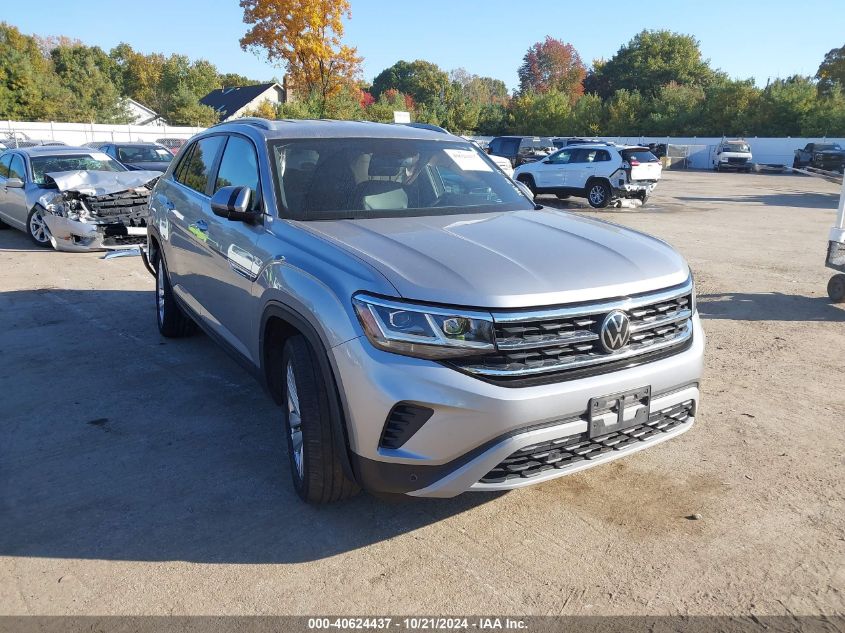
(101, 183)
(508, 260)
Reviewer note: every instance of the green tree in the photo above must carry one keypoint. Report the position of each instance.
(648, 62)
(185, 109)
(625, 112)
(729, 107)
(425, 82)
(87, 73)
(826, 116)
(587, 118)
(540, 113)
(783, 105)
(552, 65)
(832, 70)
(30, 90)
(676, 111)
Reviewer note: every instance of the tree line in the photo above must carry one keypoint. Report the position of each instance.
(61, 79)
(656, 84)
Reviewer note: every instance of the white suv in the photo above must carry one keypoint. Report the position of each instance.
(600, 173)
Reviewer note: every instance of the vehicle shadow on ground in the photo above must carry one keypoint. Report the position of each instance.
(14, 241)
(116, 444)
(768, 306)
(800, 199)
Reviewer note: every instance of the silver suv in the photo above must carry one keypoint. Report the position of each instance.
(425, 327)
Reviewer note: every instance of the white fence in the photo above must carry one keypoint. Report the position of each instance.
(80, 133)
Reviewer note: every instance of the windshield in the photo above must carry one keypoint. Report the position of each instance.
(736, 147)
(346, 178)
(144, 154)
(43, 165)
(827, 147)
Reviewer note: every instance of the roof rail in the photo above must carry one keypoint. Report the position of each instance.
(264, 124)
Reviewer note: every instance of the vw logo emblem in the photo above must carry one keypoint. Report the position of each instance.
(615, 331)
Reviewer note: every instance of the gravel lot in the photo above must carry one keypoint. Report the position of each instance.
(143, 476)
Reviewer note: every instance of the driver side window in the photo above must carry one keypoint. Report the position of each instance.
(239, 168)
(562, 157)
(4, 165)
(16, 169)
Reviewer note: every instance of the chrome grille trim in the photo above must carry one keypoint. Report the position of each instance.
(585, 360)
(567, 338)
(681, 315)
(566, 312)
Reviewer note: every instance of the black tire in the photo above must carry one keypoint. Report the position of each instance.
(836, 288)
(172, 320)
(3, 226)
(643, 198)
(796, 164)
(528, 181)
(598, 194)
(316, 468)
(33, 221)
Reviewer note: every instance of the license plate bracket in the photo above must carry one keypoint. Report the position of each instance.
(617, 412)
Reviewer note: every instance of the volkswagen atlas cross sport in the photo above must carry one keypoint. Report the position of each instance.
(425, 327)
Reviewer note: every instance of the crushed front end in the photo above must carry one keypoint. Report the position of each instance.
(90, 218)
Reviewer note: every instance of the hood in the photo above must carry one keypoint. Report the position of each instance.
(101, 183)
(508, 260)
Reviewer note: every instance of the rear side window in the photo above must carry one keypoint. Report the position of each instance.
(239, 168)
(639, 155)
(509, 146)
(17, 169)
(195, 169)
(4, 165)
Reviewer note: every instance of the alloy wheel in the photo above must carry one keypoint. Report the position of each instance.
(294, 420)
(597, 194)
(160, 290)
(38, 228)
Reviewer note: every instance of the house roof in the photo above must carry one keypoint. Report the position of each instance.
(227, 101)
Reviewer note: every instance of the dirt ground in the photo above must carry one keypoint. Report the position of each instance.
(143, 476)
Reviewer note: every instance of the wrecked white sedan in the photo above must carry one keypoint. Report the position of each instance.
(75, 199)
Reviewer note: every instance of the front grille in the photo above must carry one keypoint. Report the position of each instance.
(126, 205)
(737, 161)
(568, 452)
(565, 339)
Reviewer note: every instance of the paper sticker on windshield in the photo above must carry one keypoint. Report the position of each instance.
(468, 160)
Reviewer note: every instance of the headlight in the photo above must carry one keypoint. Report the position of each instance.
(424, 331)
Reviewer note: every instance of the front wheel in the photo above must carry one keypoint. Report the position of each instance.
(598, 194)
(315, 465)
(528, 181)
(172, 320)
(36, 227)
(836, 288)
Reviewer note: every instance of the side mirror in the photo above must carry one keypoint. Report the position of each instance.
(547, 162)
(232, 203)
(14, 183)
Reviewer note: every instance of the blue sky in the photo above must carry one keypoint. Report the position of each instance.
(750, 38)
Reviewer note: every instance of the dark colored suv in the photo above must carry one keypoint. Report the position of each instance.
(521, 149)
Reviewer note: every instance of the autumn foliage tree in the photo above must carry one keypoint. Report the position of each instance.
(306, 37)
(552, 65)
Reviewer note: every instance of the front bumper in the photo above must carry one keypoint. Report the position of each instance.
(79, 237)
(476, 424)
